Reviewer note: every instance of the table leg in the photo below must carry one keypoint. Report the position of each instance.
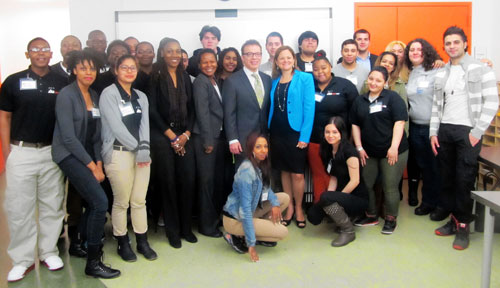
(489, 223)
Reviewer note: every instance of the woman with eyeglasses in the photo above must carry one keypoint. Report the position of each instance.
(76, 148)
(172, 121)
(125, 151)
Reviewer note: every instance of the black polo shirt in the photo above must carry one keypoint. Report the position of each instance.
(133, 120)
(376, 121)
(32, 100)
(142, 82)
(102, 81)
(335, 100)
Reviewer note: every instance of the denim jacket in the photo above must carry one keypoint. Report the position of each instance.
(242, 202)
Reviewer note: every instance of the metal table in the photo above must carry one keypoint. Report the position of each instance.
(490, 156)
(491, 202)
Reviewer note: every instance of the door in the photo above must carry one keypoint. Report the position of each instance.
(409, 20)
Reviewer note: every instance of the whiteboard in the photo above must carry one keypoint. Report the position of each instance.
(256, 24)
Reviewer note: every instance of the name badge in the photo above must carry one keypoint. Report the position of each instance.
(353, 79)
(319, 97)
(96, 113)
(423, 84)
(265, 195)
(126, 109)
(375, 107)
(27, 84)
(309, 67)
(329, 167)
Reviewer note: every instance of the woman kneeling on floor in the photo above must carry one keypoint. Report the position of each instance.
(252, 210)
(346, 196)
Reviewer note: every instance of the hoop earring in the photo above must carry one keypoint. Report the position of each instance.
(253, 154)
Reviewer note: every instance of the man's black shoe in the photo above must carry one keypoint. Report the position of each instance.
(439, 214)
(423, 210)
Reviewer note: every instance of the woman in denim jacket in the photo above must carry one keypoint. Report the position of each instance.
(252, 210)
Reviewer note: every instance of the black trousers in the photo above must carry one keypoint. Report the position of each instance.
(212, 175)
(459, 168)
(352, 204)
(427, 163)
(174, 183)
(91, 191)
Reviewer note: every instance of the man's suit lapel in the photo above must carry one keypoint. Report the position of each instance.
(248, 86)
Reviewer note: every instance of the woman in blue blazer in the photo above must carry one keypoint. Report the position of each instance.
(291, 117)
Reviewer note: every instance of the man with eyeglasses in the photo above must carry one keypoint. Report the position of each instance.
(245, 99)
(27, 119)
(68, 44)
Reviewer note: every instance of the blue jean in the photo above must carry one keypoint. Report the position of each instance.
(91, 191)
(427, 162)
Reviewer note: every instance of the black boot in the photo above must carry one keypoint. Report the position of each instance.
(143, 246)
(75, 243)
(124, 249)
(338, 215)
(413, 192)
(95, 267)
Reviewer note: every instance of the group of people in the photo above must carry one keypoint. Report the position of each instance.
(210, 129)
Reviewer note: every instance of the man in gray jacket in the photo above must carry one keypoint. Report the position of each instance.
(465, 101)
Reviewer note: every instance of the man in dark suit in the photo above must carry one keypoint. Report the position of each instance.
(245, 97)
(68, 44)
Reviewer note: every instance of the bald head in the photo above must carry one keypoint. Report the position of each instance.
(97, 41)
(132, 43)
(68, 44)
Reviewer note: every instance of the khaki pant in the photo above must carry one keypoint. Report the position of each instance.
(265, 229)
(33, 180)
(130, 185)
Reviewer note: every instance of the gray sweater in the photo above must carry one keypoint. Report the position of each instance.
(420, 90)
(71, 126)
(113, 127)
(482, 93)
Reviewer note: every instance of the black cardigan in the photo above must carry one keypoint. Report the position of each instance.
(159, 107)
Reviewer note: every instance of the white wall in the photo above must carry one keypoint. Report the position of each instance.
(21, 21)
(49, 18)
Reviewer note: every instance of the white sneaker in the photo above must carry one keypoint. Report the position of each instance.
(54, 263)
(18, 272)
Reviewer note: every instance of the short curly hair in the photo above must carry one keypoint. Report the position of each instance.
(428, 52)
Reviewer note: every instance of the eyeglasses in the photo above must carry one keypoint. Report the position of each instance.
(36, 49)
(128, 68)
(250, 54)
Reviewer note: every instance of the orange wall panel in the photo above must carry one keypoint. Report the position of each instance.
(430, 23)
(406, 21)
(380, 22)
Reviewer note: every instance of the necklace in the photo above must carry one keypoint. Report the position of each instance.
(282, 108)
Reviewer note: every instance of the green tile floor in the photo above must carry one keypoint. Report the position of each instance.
(412, 257)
